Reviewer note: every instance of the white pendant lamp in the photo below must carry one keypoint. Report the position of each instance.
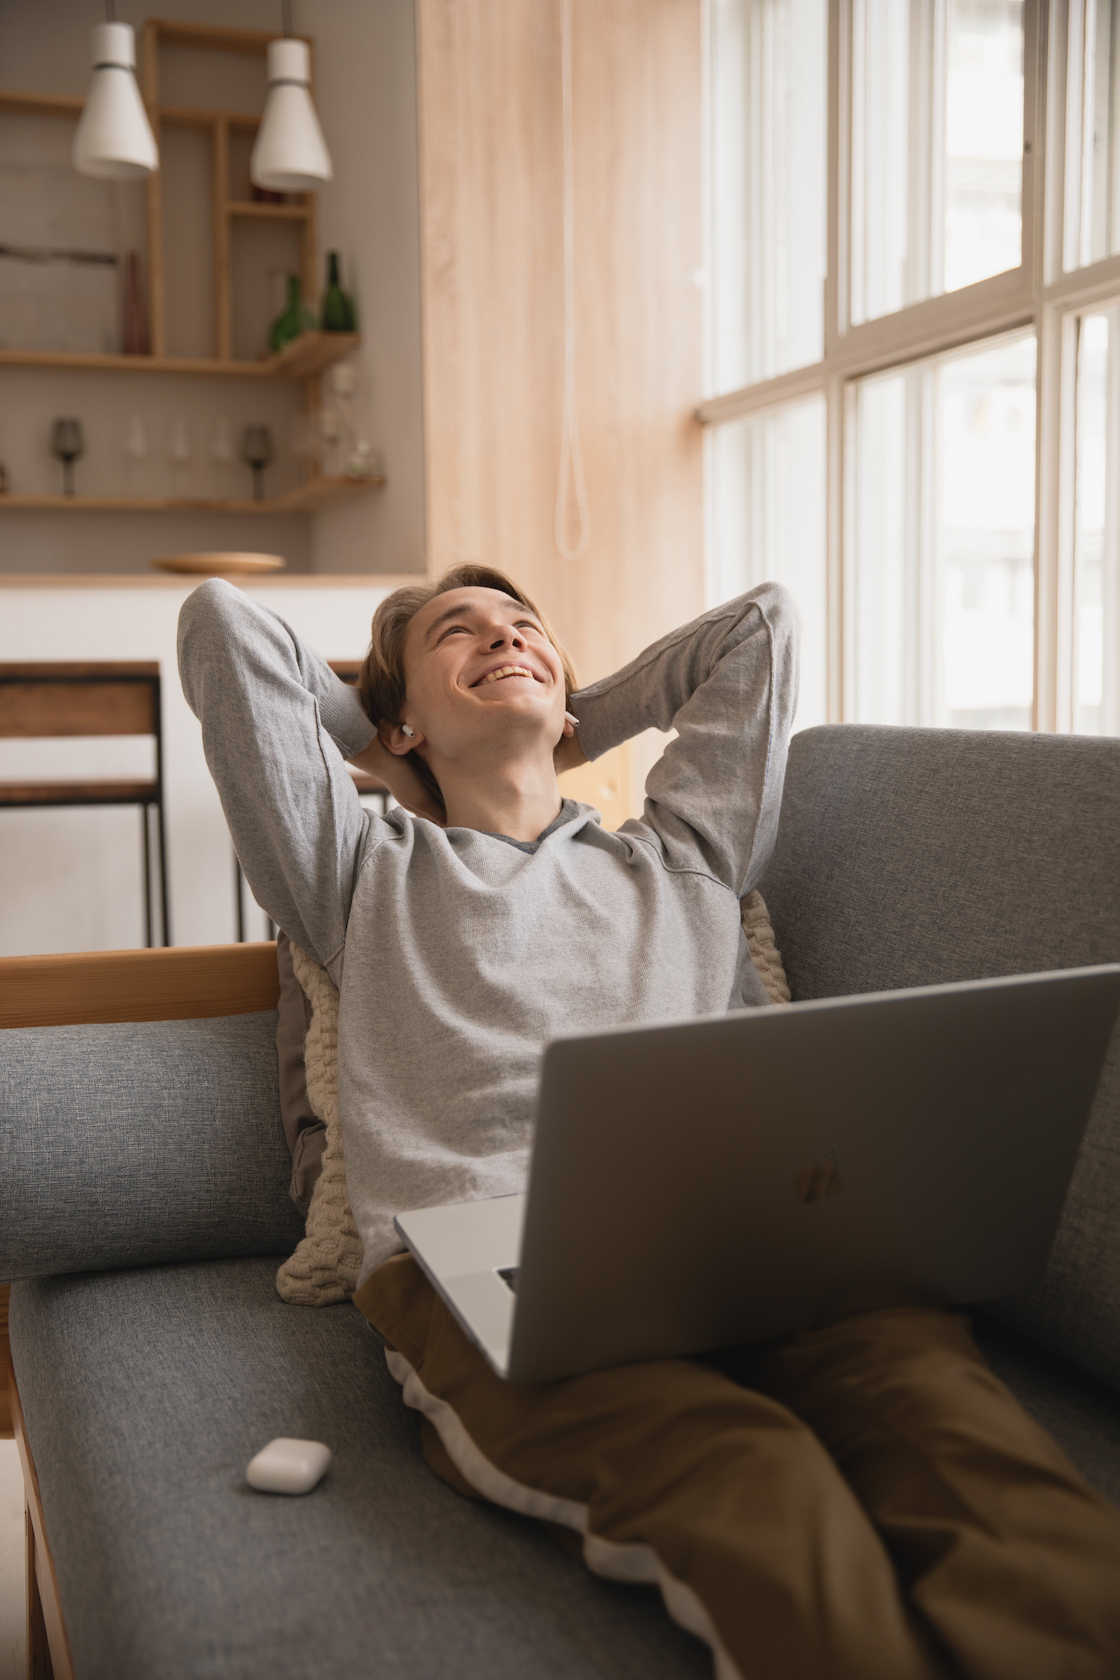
(290, 154)
(114, 141)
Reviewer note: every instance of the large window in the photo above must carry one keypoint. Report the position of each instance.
(914, 356)
(943, 546)
(768, 522)
(936, 147)
(768, 187)
(1096, 556)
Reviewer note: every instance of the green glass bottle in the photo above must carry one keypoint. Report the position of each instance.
(338, 310)
(295, 318)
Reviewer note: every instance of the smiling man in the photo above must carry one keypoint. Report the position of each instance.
(864, 1502)
(485, 914)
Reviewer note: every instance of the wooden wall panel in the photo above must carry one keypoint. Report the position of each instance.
(493, 304)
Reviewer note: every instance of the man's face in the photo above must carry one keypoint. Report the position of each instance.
(480, 669)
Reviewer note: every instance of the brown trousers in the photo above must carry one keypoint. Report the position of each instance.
(875, 1505)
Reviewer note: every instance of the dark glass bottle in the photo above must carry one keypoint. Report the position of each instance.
(294, 319)
(134, 339)
(338, 310)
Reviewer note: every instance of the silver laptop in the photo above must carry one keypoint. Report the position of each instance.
(741, 1177)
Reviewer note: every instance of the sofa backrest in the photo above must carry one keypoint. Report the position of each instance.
(911, 856)
(136, 1143)
(139, 1117)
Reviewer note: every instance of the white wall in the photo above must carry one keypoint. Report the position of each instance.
(369, 213)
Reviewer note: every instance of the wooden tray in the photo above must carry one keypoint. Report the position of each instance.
(218, 564)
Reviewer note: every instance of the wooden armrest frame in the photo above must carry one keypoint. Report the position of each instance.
(184, 982)
(48, 1648)
(176, 984)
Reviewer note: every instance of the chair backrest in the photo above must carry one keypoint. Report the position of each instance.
(907, 857)
(79, 698)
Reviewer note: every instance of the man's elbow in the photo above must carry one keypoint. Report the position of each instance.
(779, 609)
(203, 619)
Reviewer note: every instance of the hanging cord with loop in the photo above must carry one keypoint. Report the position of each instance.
(571, 456)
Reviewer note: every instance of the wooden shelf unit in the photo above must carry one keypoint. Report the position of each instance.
(224, 210)
(309, 497)
(303, 359)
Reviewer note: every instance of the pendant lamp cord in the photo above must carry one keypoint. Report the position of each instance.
(110, 12)
(286, 16)
(571, 456)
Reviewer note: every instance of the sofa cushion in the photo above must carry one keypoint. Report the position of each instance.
(1082, 1414)
(911, 856)
(133, 1143)
(145, 1395)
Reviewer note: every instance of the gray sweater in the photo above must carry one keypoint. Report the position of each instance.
(459, 954)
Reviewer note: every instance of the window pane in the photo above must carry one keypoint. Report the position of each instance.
(937, 148)
(768, 522)
(768, 183)
(943, 559)
(1096, 662)
(1092, 211)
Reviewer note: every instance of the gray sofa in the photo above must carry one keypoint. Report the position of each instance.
(145, 1205)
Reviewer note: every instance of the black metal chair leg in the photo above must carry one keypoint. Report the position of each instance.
(238, 896)
(144, 827)
(165, 914)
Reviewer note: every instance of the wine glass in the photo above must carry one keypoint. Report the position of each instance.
(67, 445)
(221, 447)
(256, 452)
(136, 438)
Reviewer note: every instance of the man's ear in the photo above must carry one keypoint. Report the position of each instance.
(394, 739)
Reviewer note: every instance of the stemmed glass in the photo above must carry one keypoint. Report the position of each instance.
(67, 445)
(256, 452)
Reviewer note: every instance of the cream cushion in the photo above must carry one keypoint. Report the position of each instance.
(326, 1263)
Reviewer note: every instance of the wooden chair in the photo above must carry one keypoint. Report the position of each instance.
(96, 698)
(348, 670)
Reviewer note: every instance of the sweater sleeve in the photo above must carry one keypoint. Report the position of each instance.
(277, 725)
(727, 683)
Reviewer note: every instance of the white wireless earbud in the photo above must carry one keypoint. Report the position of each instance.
(574, 721)
(407, 729)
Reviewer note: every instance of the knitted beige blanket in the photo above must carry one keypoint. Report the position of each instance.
(325, 1266)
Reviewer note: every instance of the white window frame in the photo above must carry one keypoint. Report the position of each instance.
(1038, 294)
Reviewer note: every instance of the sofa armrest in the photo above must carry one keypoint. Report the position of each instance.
(183, 982)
